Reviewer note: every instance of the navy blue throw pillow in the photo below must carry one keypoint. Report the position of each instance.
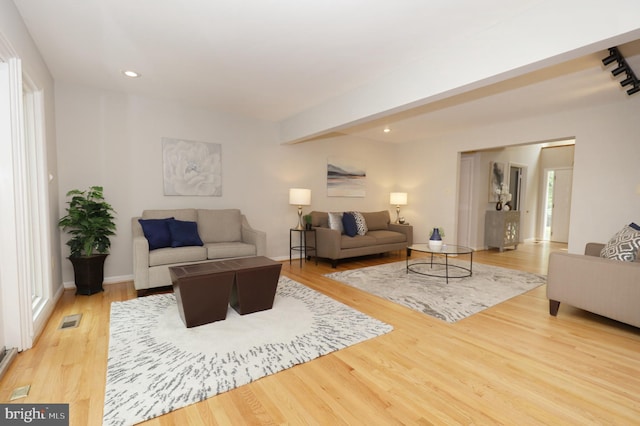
(157, 232)
(634, 226)
(349, 224)
(184, 233)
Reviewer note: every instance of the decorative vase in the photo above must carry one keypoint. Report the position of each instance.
(435, 245)
(499, 205)
(88, 273)
(435, 241)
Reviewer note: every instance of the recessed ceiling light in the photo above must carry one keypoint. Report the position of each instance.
(131, 74)
(386, 130)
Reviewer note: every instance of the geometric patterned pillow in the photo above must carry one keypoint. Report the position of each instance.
(360, 223)
(623, 246)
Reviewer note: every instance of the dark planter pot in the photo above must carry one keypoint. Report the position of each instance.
(88, 273)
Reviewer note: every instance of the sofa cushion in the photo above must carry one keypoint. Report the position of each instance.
(377, 220)
(623, 245)
(349, 224)
(229, 249)
(356, 242)
(387, 237)
(180, 214)
(361, 223)
(157, 232)
(217, 226)
(319, 219)
(169, 256)
(335, 221)
(184, 233)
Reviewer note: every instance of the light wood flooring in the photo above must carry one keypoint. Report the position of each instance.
(512, 364)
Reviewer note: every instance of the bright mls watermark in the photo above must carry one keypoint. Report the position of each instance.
(34, 414)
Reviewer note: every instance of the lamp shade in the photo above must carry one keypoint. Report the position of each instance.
(398, 198)
(299, 196)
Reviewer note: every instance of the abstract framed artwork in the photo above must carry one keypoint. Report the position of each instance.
(345, 177)
(191, 168)
(496, 179)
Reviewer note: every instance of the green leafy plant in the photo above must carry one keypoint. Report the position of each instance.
(90, 222)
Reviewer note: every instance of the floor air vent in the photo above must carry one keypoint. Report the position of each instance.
(70, 321)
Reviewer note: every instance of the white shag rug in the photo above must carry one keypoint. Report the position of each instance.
(460, 298)
(157, 365)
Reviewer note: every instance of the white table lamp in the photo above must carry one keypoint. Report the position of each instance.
(299, 197)
(398, 199)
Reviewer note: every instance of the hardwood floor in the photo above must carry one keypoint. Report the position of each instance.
(510, 364)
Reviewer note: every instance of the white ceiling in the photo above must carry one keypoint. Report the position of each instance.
(273, 59)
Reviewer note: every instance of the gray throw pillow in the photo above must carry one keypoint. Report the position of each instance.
(623, 246)
(335, 221)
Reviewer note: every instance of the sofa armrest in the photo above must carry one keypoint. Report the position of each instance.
(403, 229)
(593, 249)
(602, 286)
(255, 237)
(140, 256)
(328, 242)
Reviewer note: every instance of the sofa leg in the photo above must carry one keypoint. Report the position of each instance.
(554, 305)
(334, 263)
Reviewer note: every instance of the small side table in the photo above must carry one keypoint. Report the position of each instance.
(304, 244)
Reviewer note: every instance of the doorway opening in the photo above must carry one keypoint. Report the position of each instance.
(548, 204)
(516, 174)
(557, 204)
(525, 175)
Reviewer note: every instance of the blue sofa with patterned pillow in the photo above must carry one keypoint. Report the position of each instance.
(164, 238)
(341, 235)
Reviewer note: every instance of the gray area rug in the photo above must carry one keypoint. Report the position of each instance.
(157, 365)
(460, 298)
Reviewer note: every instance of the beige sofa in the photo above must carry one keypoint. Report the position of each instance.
(382, 236)
(224, 234)
(605, 287)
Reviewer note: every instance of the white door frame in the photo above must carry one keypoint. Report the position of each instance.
(25, 246)
(465, 197)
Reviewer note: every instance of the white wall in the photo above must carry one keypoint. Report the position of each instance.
(606, 173)
(114, 140)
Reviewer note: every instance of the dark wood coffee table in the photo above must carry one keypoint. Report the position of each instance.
(205, 290)
(255, 284)
(202, 292)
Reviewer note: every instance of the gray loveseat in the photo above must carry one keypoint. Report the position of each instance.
(223, 234)
(382, 236)
(603, 286)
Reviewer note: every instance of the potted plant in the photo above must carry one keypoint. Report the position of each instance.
(90, 222)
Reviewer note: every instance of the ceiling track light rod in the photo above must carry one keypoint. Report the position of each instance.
(623, 67)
